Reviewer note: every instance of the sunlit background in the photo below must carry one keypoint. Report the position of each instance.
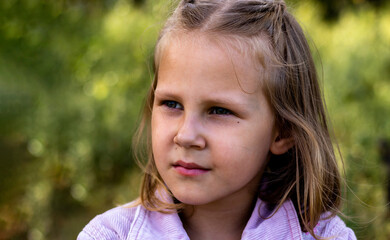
(73, 74)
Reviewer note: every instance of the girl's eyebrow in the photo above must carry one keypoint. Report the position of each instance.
(166, 94)
(226, 101)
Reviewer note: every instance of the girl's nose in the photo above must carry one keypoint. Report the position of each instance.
(189, 134)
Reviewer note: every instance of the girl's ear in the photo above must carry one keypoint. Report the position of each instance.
(281, 145)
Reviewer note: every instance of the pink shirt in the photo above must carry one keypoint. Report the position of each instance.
(138, 223)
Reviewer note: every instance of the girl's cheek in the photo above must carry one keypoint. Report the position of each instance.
(227, 122)
(164, 124)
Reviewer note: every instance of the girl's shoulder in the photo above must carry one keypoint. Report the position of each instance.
(332, 228)
(112, 224)
(133, 221)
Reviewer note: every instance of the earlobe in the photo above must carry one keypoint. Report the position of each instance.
(281, 145)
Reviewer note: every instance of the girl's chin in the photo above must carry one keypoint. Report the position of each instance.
(195, 200)
(190, 200)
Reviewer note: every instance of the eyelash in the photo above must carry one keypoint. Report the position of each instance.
(213, 110)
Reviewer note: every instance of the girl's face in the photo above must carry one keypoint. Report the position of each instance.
(212, 127)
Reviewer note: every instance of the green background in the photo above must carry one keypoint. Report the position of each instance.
(73, 75)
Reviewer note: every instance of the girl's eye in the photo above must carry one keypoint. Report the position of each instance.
(172, 104)
(220, 111)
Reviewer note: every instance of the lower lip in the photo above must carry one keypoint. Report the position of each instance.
(190, 171)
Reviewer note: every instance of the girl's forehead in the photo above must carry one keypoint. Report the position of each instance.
(239, 54)
(251, 48)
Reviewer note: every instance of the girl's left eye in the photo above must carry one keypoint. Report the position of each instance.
(220, 111)
(172, 104)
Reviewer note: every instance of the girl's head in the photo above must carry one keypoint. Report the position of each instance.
(235, 82)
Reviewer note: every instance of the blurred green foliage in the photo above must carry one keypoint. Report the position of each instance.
(73, 75)
(355, 54)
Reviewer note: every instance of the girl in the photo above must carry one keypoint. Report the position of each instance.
(238, 145)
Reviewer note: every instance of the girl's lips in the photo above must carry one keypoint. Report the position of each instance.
(189, 169)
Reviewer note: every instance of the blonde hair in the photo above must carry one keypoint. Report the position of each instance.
(308, 173)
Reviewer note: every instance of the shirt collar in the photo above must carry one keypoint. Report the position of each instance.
(264, 223)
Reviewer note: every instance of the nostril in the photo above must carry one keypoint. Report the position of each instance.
(189, 133)
(175, 140)
(189, 141)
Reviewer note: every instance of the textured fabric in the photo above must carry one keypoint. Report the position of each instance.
(129, 223)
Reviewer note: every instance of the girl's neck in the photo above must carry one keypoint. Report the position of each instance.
(217, 220)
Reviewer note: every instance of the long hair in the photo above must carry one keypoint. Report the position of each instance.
(308, 173)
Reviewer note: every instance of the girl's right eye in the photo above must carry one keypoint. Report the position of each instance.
(172, 104)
